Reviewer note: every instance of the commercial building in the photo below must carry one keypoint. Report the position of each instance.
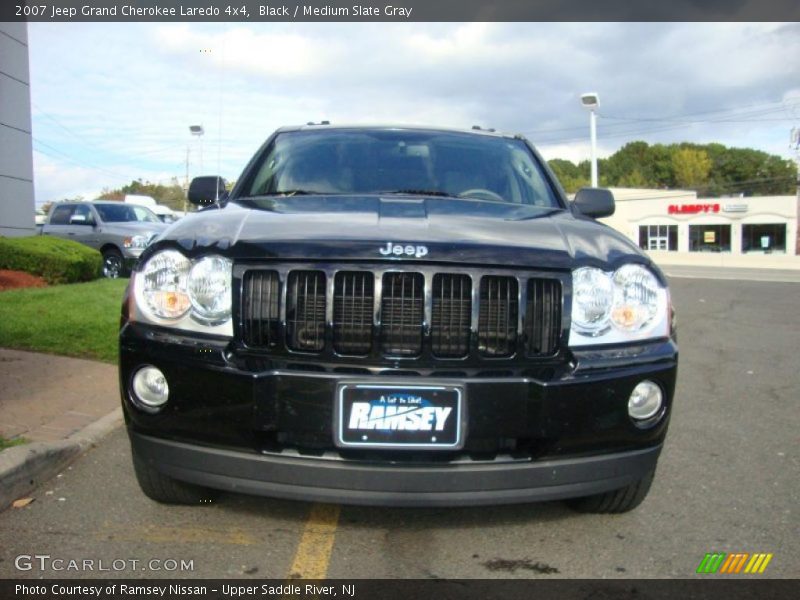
(675, 221)
(16, 156)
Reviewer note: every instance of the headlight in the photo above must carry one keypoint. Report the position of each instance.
(210, 289)
(136, 241)
(161, 285)
(171, 290)
(627, 305)
(592, 297)
(636, 298)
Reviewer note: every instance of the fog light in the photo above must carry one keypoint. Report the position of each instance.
(150, 387)
(645, 401)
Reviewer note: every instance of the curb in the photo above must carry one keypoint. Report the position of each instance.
(23, 468)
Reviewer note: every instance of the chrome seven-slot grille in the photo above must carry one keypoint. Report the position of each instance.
(400, 313)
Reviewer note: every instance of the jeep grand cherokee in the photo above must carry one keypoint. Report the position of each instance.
(397, 316)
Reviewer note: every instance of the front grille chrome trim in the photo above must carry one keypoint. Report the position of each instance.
(353, 307)
(402, 313)
(389, 314)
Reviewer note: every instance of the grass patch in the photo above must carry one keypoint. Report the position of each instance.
(9, 443)
(79, 319)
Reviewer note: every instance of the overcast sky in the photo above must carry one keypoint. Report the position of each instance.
(114, 101)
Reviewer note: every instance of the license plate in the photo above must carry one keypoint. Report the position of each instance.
(399, 416)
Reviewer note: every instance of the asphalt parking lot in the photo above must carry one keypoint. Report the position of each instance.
(728, 480)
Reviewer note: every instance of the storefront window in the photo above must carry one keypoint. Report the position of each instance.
(658, 237)
(709, 238)
(767, 237)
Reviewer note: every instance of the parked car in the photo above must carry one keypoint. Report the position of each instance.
(119, 231)
(397, 316)
(164, 213)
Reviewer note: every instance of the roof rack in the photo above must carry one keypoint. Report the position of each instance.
(320, 123)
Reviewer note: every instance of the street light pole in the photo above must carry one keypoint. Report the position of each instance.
(186, 184)
(795, 145)
(197, 131)
(591, 101)
(593, 127)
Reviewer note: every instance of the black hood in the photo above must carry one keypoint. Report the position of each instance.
(358, 227)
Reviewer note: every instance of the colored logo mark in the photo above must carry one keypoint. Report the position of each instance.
(734, 563)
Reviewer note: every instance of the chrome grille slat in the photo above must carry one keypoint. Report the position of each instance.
(352, 312)
(543, 317)
(305, 311)
(497, 321)
(402, 313)
(452, 313)
(261, 317)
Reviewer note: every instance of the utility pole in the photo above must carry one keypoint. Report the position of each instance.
(186, 184)
(794, 144)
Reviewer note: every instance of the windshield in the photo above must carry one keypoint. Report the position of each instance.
(119, 212)
(432, 163)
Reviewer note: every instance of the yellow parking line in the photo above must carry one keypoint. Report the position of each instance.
(316, 544)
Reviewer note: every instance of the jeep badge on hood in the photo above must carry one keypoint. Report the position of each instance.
(404, 250)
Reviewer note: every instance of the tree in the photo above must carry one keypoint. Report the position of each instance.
(73, 199)
(712, 169)
(661, 173)
(109, 194)
(171, 195)
(634, 179)
(690, 167)
(634, 156)
(571, 176)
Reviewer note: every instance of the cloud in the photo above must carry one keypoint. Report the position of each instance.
(575, 152)
(120, 96)
(239, 48)
(56, 178)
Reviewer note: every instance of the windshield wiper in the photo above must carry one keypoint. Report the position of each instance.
(538, 215)
(298, 192)
(418, 193)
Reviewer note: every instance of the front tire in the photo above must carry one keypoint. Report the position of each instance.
(616, 501)
(166, 490)
(113, 265)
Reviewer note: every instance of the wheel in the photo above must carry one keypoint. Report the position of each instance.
(113, 266)
(167, 490)
(615, 501)
(481, 194)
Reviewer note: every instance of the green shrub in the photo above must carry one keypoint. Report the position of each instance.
(54, 259)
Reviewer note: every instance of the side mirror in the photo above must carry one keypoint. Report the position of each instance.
(207, 190)
(80, 220)
(594, 202)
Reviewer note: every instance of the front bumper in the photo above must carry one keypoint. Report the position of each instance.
(339, 481)
(268, 429)
(131, 255)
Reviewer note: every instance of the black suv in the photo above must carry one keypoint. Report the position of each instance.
(397, 316)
